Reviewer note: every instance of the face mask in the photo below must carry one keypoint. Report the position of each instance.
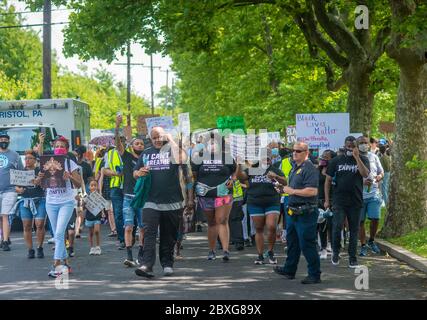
(60, 151)
(349, 152)
(4, 145)
(364, 148)
(275, 152)
(323, 163)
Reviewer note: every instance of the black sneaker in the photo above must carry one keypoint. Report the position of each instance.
(226, 256)
(271, 258)
(310, 280)
(71, 252)
(199, 228)
(143, 271)
(248, 243)
(31, 254)
(353, 263)
(335, 259)
(281, 271)
(240, 246)
(130, 263)
(211, 255)
(6, 246)
(40, 253)
(260, 259)
(122, 246)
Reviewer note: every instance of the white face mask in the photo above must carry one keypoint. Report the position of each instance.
(364, 148)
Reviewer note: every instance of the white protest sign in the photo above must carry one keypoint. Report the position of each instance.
(291, 135)
(164, 122)
(323, 130)
(263, 139)
(95, 203)
(184, 124)
(238, 146)
(22, 178)
(253, 147)
(273, 137)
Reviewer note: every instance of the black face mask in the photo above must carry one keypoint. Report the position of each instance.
(4, 145)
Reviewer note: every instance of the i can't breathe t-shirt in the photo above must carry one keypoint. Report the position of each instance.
(62, 195)
(261, 190)
(165, 186)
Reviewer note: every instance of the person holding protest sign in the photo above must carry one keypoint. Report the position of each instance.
(9, 160)
(213, 184)
(60, 203)
(165, 203)
(93, 221)
(263, 202)
(32, 207)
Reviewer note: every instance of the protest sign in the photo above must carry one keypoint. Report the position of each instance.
(53, 168)
(95, 203)
(22, 178)
(184, 124)
(163, 122)
(142, 124)
(291, 135)
(231, 124)
(323, 130)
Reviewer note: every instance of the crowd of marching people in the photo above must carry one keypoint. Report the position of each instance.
(158, 188)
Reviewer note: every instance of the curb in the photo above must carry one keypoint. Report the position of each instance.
(404, 255)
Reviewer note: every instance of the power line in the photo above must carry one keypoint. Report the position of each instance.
(32, 25)
(24, 12)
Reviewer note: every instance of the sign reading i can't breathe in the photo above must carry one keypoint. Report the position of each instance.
(323, 130)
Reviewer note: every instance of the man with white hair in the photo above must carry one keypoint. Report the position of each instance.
(165, 202)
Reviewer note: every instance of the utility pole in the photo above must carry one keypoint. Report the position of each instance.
(152, 81)
(47, 54)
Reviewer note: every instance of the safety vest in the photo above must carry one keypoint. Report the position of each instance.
(114, 161)
(98, 162)
(237, 190)
(286, 168)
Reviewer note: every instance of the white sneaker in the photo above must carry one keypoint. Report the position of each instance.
(98, 251)
(323, 254)
(329, 248)
(167, 271)
(92, 251)
(51, 241)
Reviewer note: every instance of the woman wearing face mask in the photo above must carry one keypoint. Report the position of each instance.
(325, 228)
(60, 203)
(263, 202)
(212, 176)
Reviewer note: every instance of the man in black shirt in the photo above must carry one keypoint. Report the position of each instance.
(301, 217)
(346, 172)
(130, 158)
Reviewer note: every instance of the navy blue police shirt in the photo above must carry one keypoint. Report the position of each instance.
(304, 176)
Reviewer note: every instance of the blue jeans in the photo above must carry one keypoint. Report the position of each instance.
(301, 235)
(116, 195)
(129, 213)
(26, 213)
(59, 216)
(384, 186)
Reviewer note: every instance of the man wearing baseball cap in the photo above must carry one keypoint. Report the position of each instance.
(8, 160)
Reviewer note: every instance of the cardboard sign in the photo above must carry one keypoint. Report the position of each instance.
(22, 178)
(387, 127)
(164, 122)
(238, 146)
(95, 203)
(184, 124)
(53, 168)
(323, 130)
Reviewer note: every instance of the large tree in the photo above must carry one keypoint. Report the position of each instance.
(407, 210)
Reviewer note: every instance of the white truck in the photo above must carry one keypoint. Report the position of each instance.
(23, 120)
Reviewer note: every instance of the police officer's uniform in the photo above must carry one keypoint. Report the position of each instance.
(301, 222)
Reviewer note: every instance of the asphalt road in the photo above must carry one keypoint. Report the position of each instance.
(105, 277)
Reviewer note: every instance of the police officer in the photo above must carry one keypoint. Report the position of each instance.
(301, 217)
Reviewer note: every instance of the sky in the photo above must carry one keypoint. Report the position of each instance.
(140, 76)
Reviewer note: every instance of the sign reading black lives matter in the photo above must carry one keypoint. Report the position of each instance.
(22, 178)
(53, 168)
(95, 203)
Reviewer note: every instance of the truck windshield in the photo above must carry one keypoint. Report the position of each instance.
(22, 139)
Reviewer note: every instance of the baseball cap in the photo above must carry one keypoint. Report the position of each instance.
(3, 134)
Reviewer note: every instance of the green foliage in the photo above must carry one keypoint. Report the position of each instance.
(415, 242)
(419, 166)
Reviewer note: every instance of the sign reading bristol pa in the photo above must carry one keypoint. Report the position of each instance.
(323, 130)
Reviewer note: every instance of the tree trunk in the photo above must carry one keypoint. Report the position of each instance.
(407, 210)
(360, 99)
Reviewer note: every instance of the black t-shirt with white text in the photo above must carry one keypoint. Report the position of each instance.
(214, 171)
(129, 163)
(261, 190)
(165, 184)
(347, 181)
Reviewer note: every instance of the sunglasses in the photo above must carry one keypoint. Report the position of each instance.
(298, 151)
